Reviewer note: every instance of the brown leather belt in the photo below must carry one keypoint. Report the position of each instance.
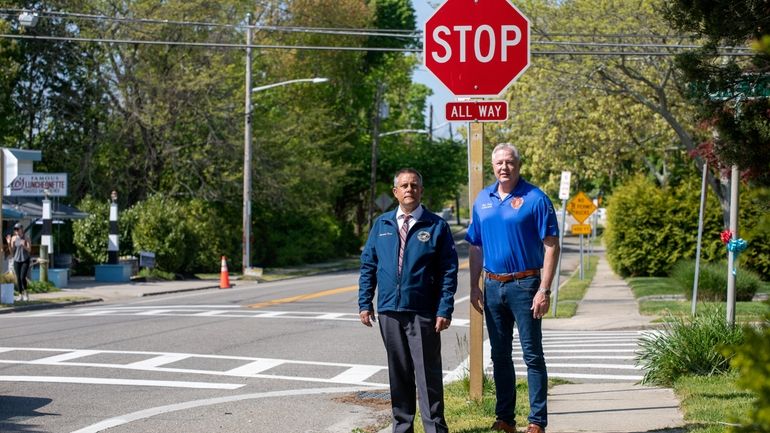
(504, 278)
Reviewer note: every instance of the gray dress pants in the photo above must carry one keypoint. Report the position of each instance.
(414, 368)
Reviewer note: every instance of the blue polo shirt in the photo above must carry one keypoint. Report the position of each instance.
(511, 229)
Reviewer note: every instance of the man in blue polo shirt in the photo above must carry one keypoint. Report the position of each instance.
(514, 238)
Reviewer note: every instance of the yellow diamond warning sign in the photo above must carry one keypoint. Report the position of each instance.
(581, 207)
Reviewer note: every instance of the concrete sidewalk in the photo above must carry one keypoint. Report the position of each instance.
(82, 290)
(609, 304)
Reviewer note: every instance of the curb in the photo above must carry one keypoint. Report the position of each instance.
(49, 305)
(168, 292)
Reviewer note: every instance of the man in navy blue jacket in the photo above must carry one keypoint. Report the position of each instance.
(410, 258)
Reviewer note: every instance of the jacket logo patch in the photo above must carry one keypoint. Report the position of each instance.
(517, 202)
(387, 234)
(423, 236)
(486, 206)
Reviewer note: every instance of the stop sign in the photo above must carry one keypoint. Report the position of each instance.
(476, 47)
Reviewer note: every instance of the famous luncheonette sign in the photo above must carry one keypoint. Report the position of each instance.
(39, 185)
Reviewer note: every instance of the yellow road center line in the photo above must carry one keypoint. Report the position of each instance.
(463, 265)
(304, 297)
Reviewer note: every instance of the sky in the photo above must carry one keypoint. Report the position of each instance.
(421, 75)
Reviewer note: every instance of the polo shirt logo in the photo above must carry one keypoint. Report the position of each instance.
(517, 202)
(423, 236)
(486, 206)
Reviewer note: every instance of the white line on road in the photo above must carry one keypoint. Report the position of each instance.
(357, 374)
(75, 354)
(579, 344)
(595, 376)
(593, 351)
(616, 358)
(588, 366)
(157, 361)
(125, 382)
(251, 368)
(255, 367)
(149, 413)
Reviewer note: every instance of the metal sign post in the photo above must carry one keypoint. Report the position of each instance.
(700, 238)
(563, 195)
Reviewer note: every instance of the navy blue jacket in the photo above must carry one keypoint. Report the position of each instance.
(429, 278)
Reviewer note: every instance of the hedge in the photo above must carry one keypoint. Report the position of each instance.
(650, 227)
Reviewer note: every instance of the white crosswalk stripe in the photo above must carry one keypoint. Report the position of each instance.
(234, 311)
(334, 373)
(612, 355)
(583, 356)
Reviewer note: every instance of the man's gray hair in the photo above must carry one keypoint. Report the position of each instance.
(406, 170)
(509, 147)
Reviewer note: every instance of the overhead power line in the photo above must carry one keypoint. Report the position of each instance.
(396, 33)
(355, 48)
(546, 41)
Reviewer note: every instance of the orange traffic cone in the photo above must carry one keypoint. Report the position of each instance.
(224, 275)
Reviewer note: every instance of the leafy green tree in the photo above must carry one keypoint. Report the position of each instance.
(9, 70)
(721, 85)
(566, 116)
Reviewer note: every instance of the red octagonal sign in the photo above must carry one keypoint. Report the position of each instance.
(477, 47)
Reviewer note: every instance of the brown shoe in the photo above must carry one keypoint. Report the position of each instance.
(501, 425)
(534, 428)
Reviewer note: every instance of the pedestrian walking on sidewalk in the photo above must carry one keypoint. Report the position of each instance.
(514, 238)
(20, 250)
(411, 261)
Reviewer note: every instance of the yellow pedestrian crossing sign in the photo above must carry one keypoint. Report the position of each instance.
(581, 207)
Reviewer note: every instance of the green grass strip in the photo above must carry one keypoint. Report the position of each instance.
(469, 416)
(711, 403)
(572, 291)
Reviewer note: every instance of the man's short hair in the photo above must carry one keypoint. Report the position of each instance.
(406, 170)
(507, 146)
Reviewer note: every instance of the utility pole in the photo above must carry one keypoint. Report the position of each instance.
(430, 125)
(375, 146)
(246, 245)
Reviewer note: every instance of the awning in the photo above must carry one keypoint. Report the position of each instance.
(11, 213)
(32, 208)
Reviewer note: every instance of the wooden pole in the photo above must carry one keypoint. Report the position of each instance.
(2, 191)
(475, 184)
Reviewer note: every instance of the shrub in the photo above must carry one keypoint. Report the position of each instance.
(650, 228)
(712, 281)
(755, 223)
(34, 286)
(688, 347)
(161, 227)
(155, 274)
(90, 234)
(300, 236)
(7, 278)
(186, 236)
(752, 360)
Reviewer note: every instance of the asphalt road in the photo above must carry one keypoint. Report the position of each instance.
(288, 356)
